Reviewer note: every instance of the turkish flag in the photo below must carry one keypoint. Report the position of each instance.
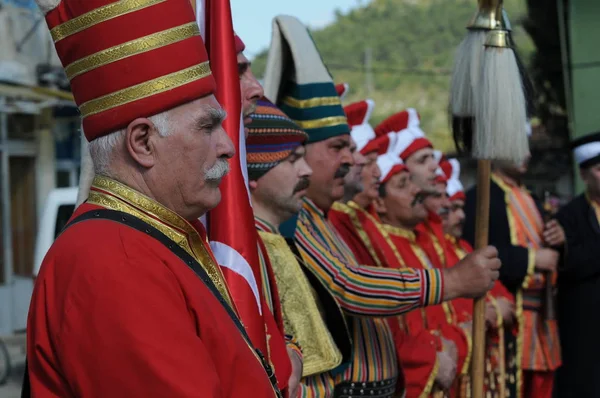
(231, 231)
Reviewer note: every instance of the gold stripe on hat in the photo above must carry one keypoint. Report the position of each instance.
(99, 15)
(146, 89)
(320, 123)
(131, 48)
(311, 103)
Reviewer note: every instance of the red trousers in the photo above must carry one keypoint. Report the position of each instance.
(537, 384)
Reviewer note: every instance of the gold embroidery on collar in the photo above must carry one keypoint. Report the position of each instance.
(127, 200)
(404, 233)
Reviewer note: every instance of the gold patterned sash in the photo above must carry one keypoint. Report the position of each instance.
(301, 315)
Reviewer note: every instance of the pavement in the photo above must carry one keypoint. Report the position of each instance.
(16, 348)
(12, 389)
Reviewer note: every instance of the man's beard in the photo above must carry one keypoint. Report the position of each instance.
(217, 172)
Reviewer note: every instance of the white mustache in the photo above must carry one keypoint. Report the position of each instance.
(218, 171)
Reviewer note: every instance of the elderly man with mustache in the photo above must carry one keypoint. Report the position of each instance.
(129, 301)
(250, 90)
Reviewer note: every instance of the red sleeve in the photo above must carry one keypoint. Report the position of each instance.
(138, 314)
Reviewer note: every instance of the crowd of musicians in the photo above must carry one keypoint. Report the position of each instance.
(365, 236)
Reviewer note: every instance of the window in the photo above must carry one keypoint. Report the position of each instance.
(21, 127)
(63, 179)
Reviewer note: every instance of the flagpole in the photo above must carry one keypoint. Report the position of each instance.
(230, 225)
(482, 204)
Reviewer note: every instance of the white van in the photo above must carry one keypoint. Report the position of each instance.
(58, 209)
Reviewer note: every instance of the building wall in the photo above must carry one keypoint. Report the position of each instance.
(583, 32)
(24, 41)
(28, 165)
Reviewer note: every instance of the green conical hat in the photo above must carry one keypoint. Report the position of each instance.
(298, 82)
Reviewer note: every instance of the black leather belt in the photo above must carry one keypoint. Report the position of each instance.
(374, 389)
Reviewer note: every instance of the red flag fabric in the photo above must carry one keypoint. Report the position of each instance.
(231, 229)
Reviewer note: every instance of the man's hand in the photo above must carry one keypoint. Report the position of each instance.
(294, 380)
(507, 309)
(473, 276)
(546, 260)
(446, 370)
(554, 234)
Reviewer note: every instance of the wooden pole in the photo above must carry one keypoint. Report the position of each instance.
(484, 169)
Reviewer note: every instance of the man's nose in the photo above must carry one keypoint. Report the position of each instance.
(255, 90)
(346, 156)
(225, 147)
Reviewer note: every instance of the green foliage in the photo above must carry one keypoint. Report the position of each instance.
(412, 46)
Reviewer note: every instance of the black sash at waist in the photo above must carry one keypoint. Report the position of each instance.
(375, 389)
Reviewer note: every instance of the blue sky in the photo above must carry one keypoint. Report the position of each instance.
(252, 18)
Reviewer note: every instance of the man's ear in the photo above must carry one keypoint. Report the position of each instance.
(379, 205)
(140, 141)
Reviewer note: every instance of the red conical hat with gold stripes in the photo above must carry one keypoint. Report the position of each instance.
(128, 58)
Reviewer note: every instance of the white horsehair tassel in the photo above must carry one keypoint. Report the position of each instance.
(500, 115)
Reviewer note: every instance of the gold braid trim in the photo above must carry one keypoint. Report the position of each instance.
(429, 385)
(131, 48)
(312, 102)
(145, 89)
(351, 213)
(321, 123)
(99, 15)
(122, 198)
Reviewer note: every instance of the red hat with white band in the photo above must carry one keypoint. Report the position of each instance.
(454, 189)
(342, 90)
(389, 165)
(440, 176)
(358, 114)
(410, 136)
(389, 162)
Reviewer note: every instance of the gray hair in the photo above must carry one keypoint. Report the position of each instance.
(102, 148)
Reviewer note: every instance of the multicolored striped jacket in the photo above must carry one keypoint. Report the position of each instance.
(362, 291)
